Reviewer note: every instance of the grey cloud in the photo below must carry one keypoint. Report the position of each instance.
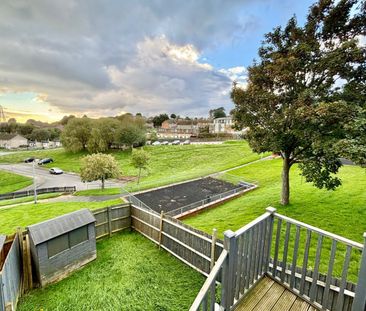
(65, 49)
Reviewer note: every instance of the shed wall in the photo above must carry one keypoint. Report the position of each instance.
(61, 265)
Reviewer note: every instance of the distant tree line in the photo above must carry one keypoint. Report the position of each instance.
(100, 135)
(32, 130)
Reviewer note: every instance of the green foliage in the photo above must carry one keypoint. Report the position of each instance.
(99, 166)
(131, 135)
(292, 104)
(218, 113)
(76, 134)
(130, 273)
(140, 160)
(103, 134)
(158, 120)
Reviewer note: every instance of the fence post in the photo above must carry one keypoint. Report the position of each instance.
(228, 271)
(213, 248)
(359, 302)
(109, 220)
(161, 227)
(270, 210)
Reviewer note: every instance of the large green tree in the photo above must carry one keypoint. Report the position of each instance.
(76, 134)
(300, 97)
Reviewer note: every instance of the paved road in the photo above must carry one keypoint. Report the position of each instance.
(45, 180)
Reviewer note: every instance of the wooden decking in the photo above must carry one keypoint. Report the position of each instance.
(268, 295)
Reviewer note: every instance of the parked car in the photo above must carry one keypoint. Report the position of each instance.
(165, 143)
(187, 142)
(29, 160)
(176, 142)
(45, 161)
(156, 143)
(56, 171)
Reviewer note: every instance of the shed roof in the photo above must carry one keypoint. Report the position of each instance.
(55, 227)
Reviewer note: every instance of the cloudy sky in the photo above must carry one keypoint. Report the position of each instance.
(100, 57)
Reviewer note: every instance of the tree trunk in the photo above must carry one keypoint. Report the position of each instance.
(103, 183)
(138, 179)
(285, 198)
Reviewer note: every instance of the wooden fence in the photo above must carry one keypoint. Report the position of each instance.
(27, 193)
(10, 275)
(192, 246)
(112, 219)
(265, 247)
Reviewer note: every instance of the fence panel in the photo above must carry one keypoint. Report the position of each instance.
(10, 277)
(190, 245)
(112, 219)
(314, 263)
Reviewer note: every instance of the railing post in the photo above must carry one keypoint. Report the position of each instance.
(213, 248)
(228, 271)
(270, 210)
(359, 302)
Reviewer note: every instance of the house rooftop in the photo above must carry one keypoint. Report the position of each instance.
(7, 136)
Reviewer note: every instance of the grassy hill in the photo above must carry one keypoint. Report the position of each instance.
(10, 182)
(167, 163)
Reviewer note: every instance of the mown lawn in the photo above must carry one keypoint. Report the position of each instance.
(168, 164)
(342, 211)
(130, 273)
(10, 182)
(28, 214)
(28, 199)
(98, 192)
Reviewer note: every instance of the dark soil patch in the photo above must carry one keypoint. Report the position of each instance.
(173, 197)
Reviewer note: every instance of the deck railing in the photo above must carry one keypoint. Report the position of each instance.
(317, 265)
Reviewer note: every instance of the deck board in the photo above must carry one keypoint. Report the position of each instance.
(269, 295)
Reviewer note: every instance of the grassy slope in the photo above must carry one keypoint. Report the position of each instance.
(341, 211)
(10, 182)
(98, 192)
(28, 199)
(27, 214)
(167, 163)
(138, 277)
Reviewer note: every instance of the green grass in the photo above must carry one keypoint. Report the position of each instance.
(10, 182)
(168, 164)
(341, 211)
(28, 214)
(130, 273)
(98, 192)
(28, 199)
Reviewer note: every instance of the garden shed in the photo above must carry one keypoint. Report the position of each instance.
(62, 245)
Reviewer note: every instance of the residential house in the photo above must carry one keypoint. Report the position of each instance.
(12, 141)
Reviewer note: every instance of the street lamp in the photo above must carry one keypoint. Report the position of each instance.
(34, 182)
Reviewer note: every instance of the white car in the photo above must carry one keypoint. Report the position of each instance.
(56, 171)
(176, 142)
(187, 142)
(165, 143)
(156, 143)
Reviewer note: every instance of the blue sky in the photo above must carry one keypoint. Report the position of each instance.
(109, 57)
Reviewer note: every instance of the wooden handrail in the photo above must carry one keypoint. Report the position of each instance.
(210, 279)
(321, 231)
